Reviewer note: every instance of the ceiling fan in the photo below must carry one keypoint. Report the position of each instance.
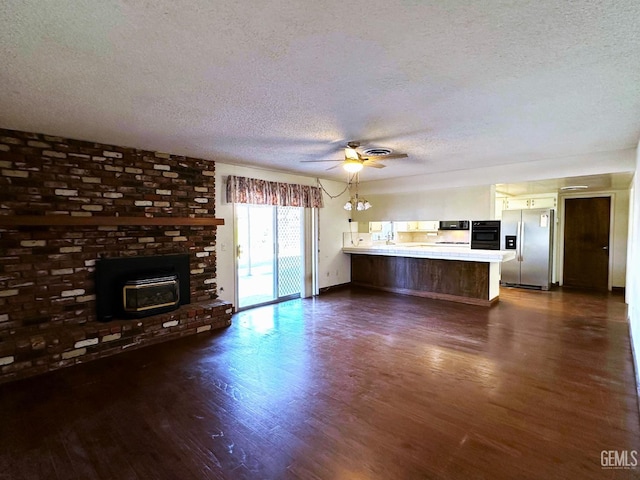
(356, 157)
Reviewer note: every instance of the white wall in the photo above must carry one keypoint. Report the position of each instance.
(468, 203)
(633, 268)
(334, 266)
(620, 233)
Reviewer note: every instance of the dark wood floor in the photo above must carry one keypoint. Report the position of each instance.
(350, 385)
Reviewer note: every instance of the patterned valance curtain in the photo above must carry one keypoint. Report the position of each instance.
(262, 192)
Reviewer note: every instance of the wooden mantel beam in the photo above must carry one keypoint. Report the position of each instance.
(67, 220)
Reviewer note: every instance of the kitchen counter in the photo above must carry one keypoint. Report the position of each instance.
(432, 250)
(445, 272)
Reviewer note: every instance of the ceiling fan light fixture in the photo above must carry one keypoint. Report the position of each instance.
(351, 154)
(352, 166)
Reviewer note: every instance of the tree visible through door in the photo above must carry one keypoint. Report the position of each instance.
(586, 243)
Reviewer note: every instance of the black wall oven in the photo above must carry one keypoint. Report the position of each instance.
(485, 234)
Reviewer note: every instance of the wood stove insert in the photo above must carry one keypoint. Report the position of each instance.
(134, 287)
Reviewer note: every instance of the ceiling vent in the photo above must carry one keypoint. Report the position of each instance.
(375, 152)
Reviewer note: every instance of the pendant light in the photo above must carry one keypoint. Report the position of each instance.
(356, 202)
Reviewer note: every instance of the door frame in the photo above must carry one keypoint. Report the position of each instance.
(561, 218)
(310, 234)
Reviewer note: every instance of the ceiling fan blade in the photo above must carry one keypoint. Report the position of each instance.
(315, 161)
(370, 163)
(385, 157)
(335, 166)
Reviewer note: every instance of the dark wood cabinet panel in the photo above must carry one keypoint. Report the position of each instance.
(460, 281)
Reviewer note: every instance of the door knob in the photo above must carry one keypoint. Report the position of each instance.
(606, 247)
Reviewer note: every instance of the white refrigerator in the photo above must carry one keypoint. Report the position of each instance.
(530, 233)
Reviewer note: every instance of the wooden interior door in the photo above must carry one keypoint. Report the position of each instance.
(586, 242)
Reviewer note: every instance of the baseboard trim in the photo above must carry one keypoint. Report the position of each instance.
(331, 288)
(634, 360)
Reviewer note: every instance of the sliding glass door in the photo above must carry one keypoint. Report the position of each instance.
(269, 253)
(255, 254)
(289, 251)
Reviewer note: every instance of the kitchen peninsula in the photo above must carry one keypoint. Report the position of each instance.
(457, 274)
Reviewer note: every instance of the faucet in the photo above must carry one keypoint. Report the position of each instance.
(389, 239)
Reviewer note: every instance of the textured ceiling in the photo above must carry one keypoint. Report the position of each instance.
(456, 85)
(593, 183)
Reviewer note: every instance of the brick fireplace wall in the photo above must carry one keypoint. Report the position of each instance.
(47, 296)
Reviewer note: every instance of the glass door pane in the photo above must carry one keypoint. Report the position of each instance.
(289, 250)
(255, 251)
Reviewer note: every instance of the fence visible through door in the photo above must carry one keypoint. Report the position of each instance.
(269, 253)
(289, 249)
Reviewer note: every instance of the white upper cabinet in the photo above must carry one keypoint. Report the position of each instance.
(400, 227)
(429, 225)
(544, 202)
(375, 227)
(417, 226)
(516, 203)
(520, 203)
